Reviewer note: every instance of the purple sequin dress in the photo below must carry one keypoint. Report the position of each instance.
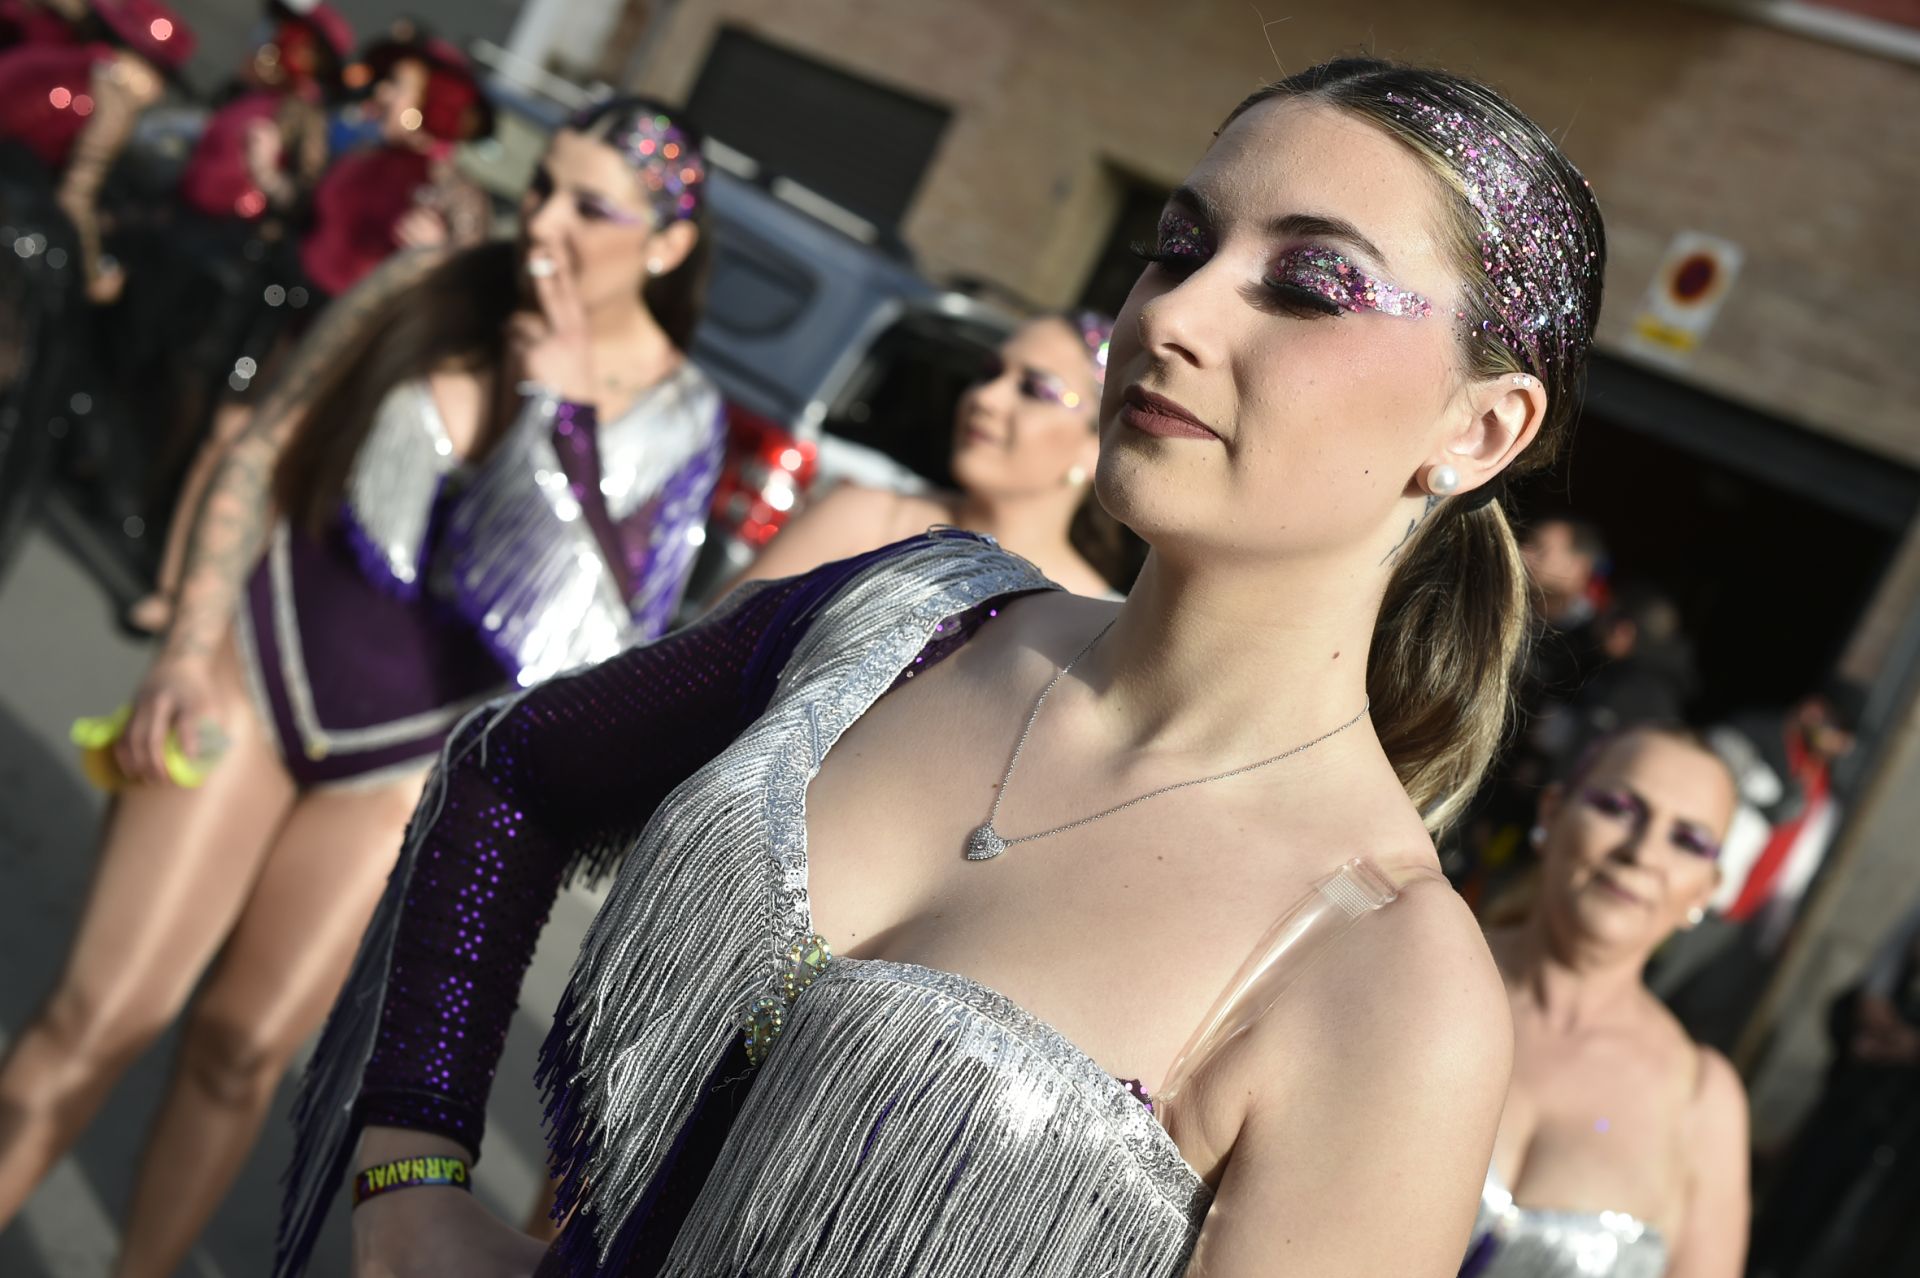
(443, 583)
(903, 1116)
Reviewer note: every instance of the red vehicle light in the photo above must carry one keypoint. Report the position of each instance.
(767, 471)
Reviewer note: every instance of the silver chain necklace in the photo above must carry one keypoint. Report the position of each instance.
(985, 843)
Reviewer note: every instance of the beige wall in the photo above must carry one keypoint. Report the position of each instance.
(1805, 154)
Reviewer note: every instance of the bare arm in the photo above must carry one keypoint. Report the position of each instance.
(229, 529)
(1372, 1103)
(122, 88)
(1713, 1237)
(850, 520)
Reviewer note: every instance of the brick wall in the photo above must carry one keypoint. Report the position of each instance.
(1806, 154)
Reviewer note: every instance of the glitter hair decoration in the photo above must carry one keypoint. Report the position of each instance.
(1096, 330)
(1534, 244)
(667, 159)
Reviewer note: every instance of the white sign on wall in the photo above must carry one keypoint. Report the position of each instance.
(1685, 294)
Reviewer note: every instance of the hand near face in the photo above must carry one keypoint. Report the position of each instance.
(550, 345)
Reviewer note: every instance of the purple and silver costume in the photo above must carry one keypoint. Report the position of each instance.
(901, 1120)
(1511, 1241)
(443, 583)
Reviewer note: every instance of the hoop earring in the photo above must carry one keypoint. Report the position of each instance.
(1443, 480)
(1076, 477)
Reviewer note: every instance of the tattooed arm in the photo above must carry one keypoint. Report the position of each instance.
(230, 526)
(122, 88)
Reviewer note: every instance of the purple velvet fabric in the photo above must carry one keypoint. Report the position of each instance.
(375, 652)
(368, 657)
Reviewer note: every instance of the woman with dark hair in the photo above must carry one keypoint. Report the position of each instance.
(1025, 442)
(966, 926)
(1623, 1149)
(481, 468)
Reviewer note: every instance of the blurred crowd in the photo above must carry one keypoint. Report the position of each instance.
(129, 203)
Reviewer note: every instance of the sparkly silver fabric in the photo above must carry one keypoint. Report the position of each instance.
(551, 601)
(964, 1135)
(720, 871)
(1521, 1242)
(518, 552)
(397, 474)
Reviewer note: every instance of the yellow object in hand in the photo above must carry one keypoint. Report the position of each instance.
(96, 736)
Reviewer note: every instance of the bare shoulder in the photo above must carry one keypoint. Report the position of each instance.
(1412, 992)
(1719, 1110)
(910, 514)
(1426, 963)
(1372, 1100)
(877, 512)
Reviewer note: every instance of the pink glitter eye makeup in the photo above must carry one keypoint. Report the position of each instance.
(1308, 281)
(1339, 283)
(1182, 237)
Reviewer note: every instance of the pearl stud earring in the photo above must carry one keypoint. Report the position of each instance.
(1442, 480)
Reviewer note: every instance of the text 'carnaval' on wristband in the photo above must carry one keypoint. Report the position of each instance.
(411, 1173)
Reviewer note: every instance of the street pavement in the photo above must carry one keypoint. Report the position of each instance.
(61, 657)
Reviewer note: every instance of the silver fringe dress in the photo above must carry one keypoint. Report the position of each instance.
(901, 1120)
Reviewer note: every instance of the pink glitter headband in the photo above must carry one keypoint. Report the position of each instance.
(1534, 244)
(669, 163)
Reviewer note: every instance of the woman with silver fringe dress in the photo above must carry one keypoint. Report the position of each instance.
(446, 513)
(964, 926)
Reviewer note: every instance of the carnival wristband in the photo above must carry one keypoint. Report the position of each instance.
(411, 1173)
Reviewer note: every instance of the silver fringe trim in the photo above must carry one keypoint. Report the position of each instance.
(396, 476)
(521, 557)
(697, 925)
(914, 1122)
(666, 427)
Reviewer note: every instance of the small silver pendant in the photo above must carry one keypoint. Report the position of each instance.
(984, 844)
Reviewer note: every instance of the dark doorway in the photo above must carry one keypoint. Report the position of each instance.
(863, 147)
(1771, 539)
(1119, 266)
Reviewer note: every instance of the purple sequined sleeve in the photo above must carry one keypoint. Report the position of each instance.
(563, 779)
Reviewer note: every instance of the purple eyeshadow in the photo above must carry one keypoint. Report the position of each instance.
(1333, 276)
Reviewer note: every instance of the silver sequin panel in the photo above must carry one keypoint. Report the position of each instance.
(1565, 1244)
